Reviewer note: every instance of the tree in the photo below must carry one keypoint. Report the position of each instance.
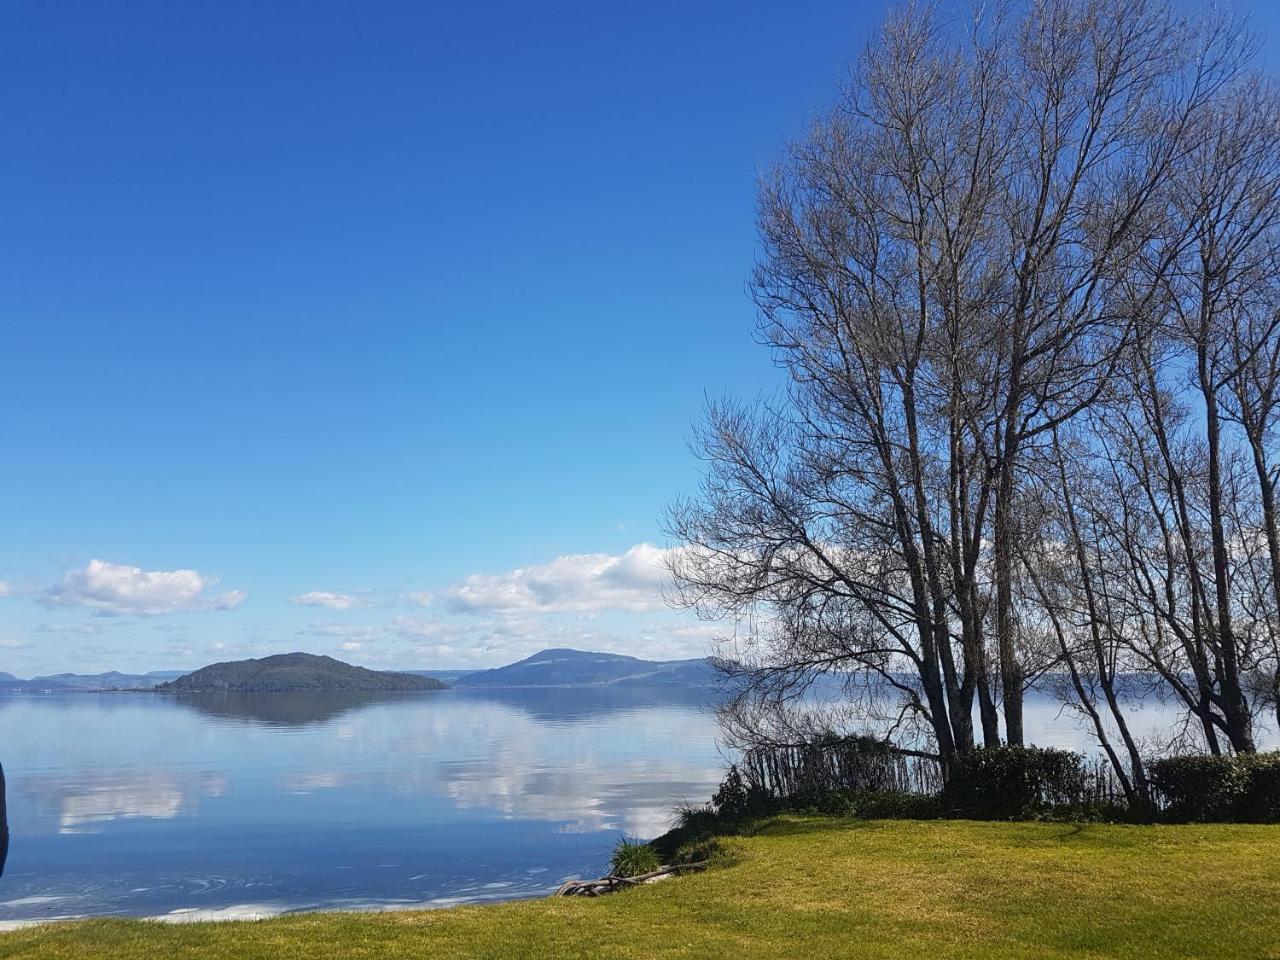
(1183, 535)
(959, 263)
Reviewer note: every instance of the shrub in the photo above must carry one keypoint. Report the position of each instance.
(1205, 788)
(1197, 788)
(867, 804)
(691, 823)
(734, 799)
(1005, 783)
(698, 819)
(1260, 802)
(735, 807)
(701, 851)
(890, 805)
(631, 858)
(1013, 783)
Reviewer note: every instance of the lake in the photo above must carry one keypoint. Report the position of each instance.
(252, 805)
(144, 805)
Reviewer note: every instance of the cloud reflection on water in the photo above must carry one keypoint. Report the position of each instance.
(491, 754)
(83, 803)
(585, 761)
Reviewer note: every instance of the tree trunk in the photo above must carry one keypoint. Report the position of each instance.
(1235, 708)
(1011, 678)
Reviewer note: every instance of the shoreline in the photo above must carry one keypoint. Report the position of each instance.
(808, 886)
(254, 912)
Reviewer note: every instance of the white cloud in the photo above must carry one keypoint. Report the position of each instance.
(577, 583)
(590, 601)
(344, 631)
(323, 598)
(111, 588)
(6, 589)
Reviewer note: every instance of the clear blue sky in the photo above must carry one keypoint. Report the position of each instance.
(341, 304)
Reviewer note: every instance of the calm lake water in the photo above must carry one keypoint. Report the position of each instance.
(143, 804)
(149, 805)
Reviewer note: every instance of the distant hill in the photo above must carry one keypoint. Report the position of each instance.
(31, 686)
(111, 680)
(164, 675)
(448, 676)
(292, 673)
(579, 668)
(86, 682)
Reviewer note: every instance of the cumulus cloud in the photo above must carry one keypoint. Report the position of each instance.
(323, 598)
(112, 588)
(577, 583)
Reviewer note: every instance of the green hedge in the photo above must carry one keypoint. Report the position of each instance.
(1243, 788)
(1009, 783)
(1014, 783)
(867, 804)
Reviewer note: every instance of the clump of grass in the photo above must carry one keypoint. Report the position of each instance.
(709, 851)
(691, 822)
(631, 858)
(697, 818)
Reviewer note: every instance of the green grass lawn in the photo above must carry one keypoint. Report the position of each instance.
(813, 889)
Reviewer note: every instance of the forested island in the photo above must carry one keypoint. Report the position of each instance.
(293, 673)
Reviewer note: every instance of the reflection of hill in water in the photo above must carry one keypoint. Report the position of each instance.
(570, 704)
(541, 704)
(290, 709)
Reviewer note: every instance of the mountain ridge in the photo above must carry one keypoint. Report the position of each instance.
(106, 682)
(566, 667)
(549, 668)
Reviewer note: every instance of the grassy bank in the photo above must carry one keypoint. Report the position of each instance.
(816, 888)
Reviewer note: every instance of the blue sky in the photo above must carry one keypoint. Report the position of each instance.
(375, 329)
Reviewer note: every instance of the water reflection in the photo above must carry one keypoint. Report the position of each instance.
(586, 704)
(288, 709)
(83, 803)
(544, 704)
(150, 804)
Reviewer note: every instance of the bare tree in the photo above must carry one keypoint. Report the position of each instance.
(1244, 198)
(1188, 523)
(1069, 569)
(1108, 96)
(977, 247)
